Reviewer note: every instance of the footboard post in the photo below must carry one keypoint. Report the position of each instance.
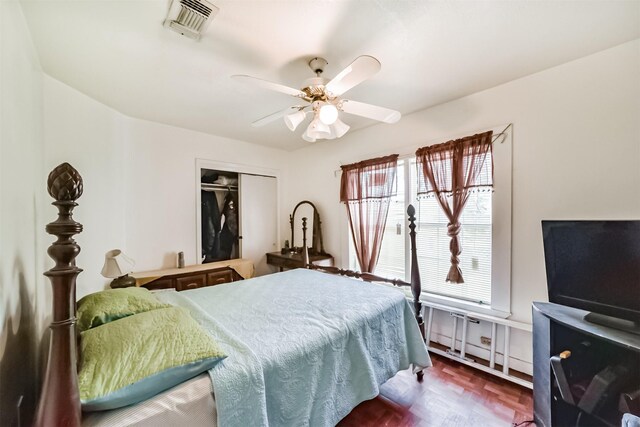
(416, 284)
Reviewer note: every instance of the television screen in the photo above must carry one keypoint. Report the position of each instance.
(594, 266)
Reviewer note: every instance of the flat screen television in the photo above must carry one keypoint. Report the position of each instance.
(595, 266)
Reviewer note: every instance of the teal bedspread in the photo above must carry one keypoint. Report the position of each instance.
(304, 348)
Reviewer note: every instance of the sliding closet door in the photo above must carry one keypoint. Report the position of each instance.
(258, 219)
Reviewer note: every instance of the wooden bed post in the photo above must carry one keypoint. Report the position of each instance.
(59, 403)
(416, 284)
(305, 250)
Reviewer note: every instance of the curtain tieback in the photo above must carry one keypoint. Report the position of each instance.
(453, 229)
(455, 274)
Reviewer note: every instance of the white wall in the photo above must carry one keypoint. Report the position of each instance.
(576, 150)
(89, 136)
(22, 295)
(139, 179)
(161, 186)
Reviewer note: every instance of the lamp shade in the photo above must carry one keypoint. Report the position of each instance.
(116, 264)
(339, 128)
(294, 119)
(307, 138)
(318, 130)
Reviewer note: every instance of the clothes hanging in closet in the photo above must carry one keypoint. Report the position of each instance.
(229, 233)
(210, 227)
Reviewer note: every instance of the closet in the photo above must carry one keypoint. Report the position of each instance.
(237, 216)
(220, 223)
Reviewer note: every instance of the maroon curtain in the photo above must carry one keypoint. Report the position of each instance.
(366, 188)
(449, 171)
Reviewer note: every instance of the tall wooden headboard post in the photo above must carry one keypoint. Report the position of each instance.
(59, 403)
(416, 283)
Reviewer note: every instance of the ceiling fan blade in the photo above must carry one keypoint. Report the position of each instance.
(265, 84)
(358, 71)
(374, 112)
(271, 117)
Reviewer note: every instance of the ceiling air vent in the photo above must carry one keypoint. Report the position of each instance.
(190, 17)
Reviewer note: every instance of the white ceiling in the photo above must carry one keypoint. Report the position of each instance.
(117, 52)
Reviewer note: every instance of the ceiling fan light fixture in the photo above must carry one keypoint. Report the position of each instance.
(324, 96)
(294, 119)
(339, 128)
(328, 114)
(318, 130)
(306, 136)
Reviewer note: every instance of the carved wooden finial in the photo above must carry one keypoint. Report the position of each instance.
(65, 186)
(65, 183)
(411, 211)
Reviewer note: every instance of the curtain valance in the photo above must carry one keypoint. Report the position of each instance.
(369, 179)
(456, 165)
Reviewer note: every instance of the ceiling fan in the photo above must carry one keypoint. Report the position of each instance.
(324, 97)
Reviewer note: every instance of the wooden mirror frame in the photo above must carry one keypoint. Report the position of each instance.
(317, 244)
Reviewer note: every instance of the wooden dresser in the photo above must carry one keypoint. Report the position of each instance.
(195, 276)
(294, 260)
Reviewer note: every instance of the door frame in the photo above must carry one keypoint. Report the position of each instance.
(240, 169)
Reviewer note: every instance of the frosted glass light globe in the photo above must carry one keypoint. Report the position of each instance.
(318, 130)
(308, 138)
(294, 119)
(339, 128)
(328, 114)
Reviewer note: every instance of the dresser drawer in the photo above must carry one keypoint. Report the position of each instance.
(161, 283)
(194, 276)
(191, 282)
(220, 277)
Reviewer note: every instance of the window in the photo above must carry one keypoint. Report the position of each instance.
(433, 246)
(391, 262)
(485, 238)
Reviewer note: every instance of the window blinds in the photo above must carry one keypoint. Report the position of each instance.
(475, 239)
(391, 262)
(433, 243)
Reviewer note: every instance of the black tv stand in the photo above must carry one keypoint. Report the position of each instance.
(601, 363)
(613, 322)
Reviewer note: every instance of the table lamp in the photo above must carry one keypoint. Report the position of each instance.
(117, 266)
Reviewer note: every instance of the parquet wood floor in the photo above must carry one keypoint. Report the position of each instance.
(450, 395)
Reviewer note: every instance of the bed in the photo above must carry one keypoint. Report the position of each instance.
(303, 347)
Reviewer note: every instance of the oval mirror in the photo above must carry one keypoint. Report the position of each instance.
(306, 209)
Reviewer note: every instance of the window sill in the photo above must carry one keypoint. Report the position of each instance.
(454, 304)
